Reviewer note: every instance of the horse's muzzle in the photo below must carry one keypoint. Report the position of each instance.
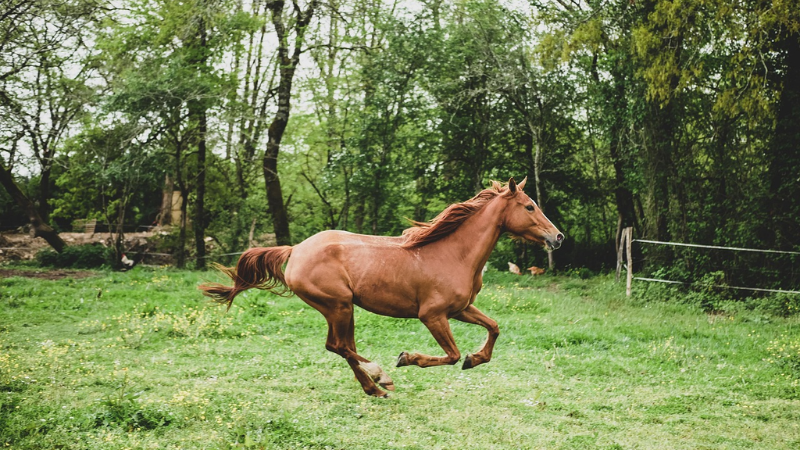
(555, 242)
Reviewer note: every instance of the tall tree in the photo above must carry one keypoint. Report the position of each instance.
(784, 149)
(288, 66)
(198, 55)
(46, 66)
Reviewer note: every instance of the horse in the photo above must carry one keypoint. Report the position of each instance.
(432, 272)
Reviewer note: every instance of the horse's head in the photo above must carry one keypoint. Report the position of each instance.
(524, 219)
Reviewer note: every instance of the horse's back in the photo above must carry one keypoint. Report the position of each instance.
(338, 254)
(335, 242)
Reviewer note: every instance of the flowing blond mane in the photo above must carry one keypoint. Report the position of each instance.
(423, 233)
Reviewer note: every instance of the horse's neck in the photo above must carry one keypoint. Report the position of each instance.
(473, 241)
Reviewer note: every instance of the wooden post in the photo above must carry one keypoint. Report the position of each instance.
(251, 241)
(628, 244)
(619, 252)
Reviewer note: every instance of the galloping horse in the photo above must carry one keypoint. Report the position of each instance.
(432, 272)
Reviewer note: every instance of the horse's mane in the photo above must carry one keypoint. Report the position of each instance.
(423, 233)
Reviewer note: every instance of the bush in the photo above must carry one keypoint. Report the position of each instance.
(78, 256)
(780, 304)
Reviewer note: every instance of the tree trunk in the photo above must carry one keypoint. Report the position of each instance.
(280, 219)
(44, 190)
(39, 227)
(622, 194)
(165, 218)
(784, 154)
(657, 171)
(200, 192)
(119, 239)
(537, 169)
(288, 65)
(534, 150)
(198, 43)
(661, 123)
(180, 259)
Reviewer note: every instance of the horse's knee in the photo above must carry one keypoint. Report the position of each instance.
(452, 358)
(336, 347)
(494, 330)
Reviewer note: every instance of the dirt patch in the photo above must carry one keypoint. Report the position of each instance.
(23, 247)
(150, 248)
(46, 275)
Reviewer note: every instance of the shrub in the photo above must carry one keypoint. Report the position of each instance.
(78, 256)
(780, 304)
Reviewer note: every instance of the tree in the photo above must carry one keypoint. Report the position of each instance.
(44, 89)
(287, 67)
(163, 76)
(784, 148)
(38, 226)
(117, 168)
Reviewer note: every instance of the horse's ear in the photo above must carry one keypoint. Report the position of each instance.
(522, 183)
(512, 185)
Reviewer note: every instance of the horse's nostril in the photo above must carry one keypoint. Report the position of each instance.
(559, 237)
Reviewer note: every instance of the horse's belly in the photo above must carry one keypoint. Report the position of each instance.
(388, 301)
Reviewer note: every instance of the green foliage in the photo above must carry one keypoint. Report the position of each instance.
(110, 178)
(675, 115)
(780, 305)
(712, 296)
(88, 256)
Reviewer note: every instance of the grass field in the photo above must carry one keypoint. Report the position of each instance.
(141, 360)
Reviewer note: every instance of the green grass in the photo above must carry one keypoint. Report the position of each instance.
(152, 364)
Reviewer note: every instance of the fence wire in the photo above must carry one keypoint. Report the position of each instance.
(774, 271)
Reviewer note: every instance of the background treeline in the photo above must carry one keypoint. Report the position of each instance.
(680, 118)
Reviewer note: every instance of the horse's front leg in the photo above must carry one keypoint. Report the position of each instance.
(440, 329)
(474, 315)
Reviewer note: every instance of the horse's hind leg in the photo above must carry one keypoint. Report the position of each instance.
(440, 329)
(341, 340)
(373, 369)
(474, 315)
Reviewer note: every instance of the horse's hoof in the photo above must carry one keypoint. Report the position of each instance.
(375, 392)
(467, 363)
(402, 360)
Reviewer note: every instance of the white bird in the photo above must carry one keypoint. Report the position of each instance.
(127, 262)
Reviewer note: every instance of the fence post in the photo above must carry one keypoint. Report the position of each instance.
(628, 245)
(619, 252)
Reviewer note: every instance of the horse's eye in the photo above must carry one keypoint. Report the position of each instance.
(529, 207)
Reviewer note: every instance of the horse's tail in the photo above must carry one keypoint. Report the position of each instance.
(259, 268)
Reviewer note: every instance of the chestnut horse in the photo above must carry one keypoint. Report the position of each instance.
(431, 272)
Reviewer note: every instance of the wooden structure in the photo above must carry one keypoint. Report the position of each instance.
(624, 250)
